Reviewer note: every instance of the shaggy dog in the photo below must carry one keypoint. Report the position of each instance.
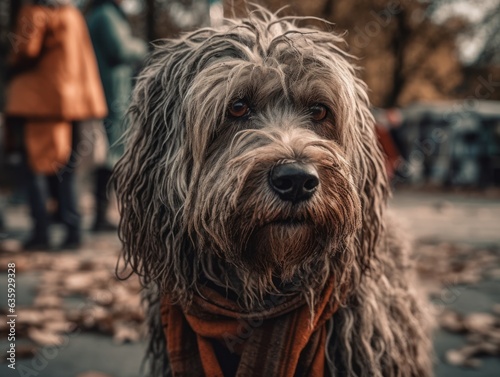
(253, 207)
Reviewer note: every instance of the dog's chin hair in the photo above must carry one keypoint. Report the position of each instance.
(281, 249)
(255, 284)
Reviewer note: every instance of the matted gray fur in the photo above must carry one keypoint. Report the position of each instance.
(196, 203)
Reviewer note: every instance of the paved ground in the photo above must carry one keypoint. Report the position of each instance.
(431, 217)
(449, 217)
(457, 218)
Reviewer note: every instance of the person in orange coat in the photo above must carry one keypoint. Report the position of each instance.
(54, 85)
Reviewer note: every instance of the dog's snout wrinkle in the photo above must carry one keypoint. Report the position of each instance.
(294, 182)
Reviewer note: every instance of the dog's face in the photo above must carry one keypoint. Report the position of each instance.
(254, 147)
(273, 185)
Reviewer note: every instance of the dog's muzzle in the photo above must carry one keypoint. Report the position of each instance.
(294, 182)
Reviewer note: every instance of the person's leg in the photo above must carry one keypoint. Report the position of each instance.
(70, 214)
(37, 200)
(53, 194)
(35, 184)
(103, 174)
(68, 200)
(101, 222)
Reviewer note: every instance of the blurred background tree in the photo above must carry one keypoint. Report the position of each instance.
(412, 50)
(409, 50)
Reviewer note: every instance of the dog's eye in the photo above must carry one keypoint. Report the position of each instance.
(318, 112)
(239, 108)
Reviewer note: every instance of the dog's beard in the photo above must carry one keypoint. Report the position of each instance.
(287, 256)
(281, 248)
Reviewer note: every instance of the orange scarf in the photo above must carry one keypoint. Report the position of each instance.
(279, 341)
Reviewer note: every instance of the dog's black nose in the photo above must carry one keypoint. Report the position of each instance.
(294, 182)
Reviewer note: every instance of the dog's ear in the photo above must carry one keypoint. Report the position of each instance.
(368, 162)
(152, 177)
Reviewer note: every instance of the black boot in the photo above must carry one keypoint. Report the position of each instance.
(38, 241)
(68, 208)
(39, 238)
(73, 240)
(2, 222)
(101, 223)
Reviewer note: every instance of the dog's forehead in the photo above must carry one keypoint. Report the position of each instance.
(267, 43)
(270, 57)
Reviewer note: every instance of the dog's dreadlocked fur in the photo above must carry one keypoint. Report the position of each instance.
(196, 204)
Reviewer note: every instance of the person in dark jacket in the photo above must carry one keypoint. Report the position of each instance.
(117, 52)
